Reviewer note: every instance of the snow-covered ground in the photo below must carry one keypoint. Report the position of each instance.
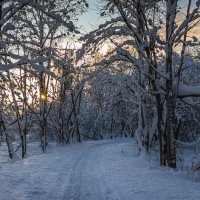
(93, 170)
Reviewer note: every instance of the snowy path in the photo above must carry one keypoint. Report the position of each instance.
(102, 170)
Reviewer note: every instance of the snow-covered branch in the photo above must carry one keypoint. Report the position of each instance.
(188, 91)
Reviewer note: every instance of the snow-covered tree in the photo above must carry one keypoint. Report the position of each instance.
(153, 37)
(30, 32)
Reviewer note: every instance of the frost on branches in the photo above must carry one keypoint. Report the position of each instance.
(157, 46)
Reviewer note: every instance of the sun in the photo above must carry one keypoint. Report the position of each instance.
(103, 48)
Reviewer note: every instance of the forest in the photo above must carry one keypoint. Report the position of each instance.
(135, 76)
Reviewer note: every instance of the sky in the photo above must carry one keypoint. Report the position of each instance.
(91, 19)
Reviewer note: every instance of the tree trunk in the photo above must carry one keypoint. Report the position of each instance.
(11, 151)
(170, 130)
(43, 111)
(170, 98)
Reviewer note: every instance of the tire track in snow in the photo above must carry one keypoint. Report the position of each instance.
(85, 182)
